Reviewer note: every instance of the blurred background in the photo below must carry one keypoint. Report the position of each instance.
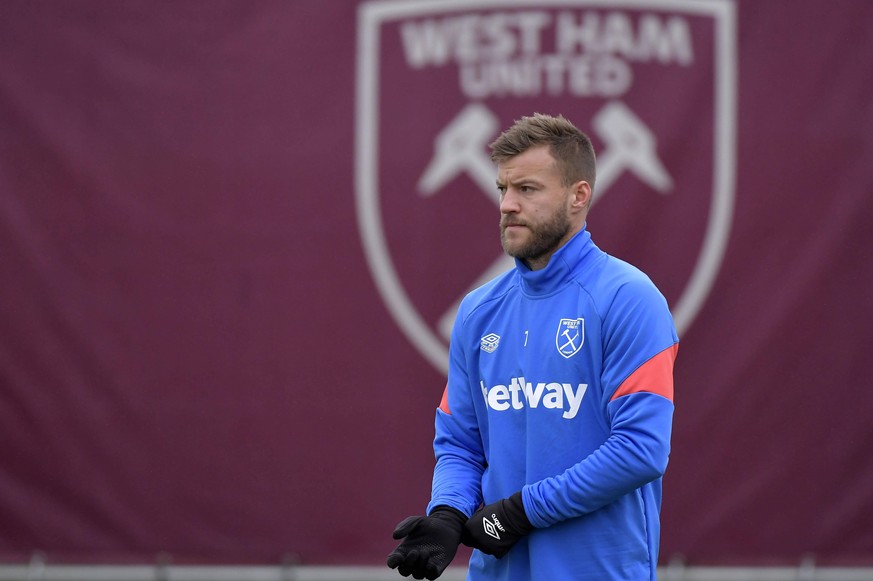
(232, 234)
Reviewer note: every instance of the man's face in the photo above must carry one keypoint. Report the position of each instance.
(534, 207)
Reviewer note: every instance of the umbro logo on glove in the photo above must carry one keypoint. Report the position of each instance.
(491, 527)
(503, 524)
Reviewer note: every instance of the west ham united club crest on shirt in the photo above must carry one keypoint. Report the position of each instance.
(570, 336)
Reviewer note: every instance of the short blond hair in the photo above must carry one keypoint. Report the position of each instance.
(570, 147)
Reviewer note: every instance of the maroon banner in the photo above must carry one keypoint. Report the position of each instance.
(233, 236)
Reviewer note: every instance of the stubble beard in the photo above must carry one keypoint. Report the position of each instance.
(545, 238)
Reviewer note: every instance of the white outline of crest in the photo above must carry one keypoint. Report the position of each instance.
(371, 15)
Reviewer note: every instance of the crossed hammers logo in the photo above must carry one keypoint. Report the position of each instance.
(571, 341)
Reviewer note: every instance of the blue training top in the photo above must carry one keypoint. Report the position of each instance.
(561, 385)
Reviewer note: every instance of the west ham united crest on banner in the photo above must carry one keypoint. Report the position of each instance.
(653, 83)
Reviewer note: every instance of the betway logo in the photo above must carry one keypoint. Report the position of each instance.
(520, 393)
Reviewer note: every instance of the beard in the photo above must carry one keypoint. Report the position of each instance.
(544, 238)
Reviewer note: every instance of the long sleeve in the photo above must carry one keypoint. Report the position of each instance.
(635, 453)
(460, 456)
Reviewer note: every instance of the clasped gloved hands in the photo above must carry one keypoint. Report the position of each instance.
(430, 542)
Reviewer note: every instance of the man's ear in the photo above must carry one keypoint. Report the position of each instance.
(581, 196)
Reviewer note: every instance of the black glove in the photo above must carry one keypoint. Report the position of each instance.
(430, 543)
(495, 528)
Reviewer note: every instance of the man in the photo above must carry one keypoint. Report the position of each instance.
(558, 409)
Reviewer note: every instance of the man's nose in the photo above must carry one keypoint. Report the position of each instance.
(509, 202)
